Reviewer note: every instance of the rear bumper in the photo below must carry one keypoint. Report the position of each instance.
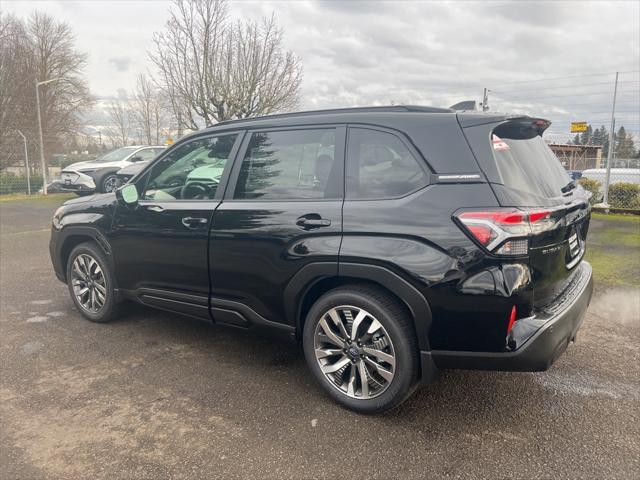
(543, 347)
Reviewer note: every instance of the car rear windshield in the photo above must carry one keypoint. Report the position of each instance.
(529, 165)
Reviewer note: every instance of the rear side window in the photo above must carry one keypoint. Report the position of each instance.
(379, 165)
(289, 165)
(529, 165)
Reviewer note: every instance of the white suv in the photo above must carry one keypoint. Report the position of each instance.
(99, 175)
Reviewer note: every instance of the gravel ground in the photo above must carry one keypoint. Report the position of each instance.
(155, 396)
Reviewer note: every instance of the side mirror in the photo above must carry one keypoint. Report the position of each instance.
(137, 158)
(128, 194)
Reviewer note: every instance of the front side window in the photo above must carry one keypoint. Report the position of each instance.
(145, 155)
(380, 166)
(289, 165)
(192, 171)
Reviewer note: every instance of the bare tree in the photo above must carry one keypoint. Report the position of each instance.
(149, 111)
(215, 71)
(36, 50)
(54, 56)
(15, 95)
(119, 132)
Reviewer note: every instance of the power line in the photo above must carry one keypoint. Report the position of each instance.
(551, 104)
(564, 78)
(582, 94)
(562, 86)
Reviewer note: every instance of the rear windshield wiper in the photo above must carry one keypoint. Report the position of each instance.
(568, 187)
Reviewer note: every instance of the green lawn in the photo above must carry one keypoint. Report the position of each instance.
(613, 249)
(52, 198)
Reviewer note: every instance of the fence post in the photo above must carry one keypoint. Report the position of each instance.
(26, 161)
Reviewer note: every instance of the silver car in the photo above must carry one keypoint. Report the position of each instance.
(99, 175)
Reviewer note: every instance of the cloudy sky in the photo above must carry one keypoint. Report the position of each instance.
(553, 58)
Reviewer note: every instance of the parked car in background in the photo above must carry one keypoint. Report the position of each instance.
(617, 175)
(127, 173)
(99, 175)
(391, 241)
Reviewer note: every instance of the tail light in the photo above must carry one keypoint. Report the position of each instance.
(505, 231)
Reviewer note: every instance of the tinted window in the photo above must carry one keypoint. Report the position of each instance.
(286, 165)
(379, 165)
(146, 154)
(192, 171)
(529, 165)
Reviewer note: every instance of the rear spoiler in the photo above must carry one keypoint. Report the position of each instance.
(528, 127)
(522, 128)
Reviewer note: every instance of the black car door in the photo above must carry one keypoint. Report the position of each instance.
(160, 245)
(282, 211)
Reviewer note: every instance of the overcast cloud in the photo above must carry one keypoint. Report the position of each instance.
(363, 53)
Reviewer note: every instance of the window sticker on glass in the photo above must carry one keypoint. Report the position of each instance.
(499, 144)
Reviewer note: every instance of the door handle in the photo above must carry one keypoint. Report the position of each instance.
(308, 223)
(192, 222)
(155, 208)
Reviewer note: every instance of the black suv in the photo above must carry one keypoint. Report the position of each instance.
(392, 241)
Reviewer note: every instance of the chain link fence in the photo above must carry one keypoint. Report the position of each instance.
(623, 192)
(14, 180)
(624, 183)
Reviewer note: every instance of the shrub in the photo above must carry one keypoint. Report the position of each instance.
(18, 183)
(592, 186)
(624, 195)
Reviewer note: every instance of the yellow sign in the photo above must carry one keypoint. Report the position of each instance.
(169, 141)
(578, 127)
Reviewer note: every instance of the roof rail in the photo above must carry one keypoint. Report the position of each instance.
(389, 108)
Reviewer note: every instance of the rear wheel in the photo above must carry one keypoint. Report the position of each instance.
(91, 283)
(360, 346)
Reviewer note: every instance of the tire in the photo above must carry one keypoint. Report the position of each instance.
(102, 283)
(396, 338)
(108, 183)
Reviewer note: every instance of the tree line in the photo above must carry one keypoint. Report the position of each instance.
(206, 69)
(35, 49)
(624, 145)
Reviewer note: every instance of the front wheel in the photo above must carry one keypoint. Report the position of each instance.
(109, 183)
(91, 283)
(360, 346)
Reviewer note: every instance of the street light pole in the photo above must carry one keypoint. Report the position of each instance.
(26, 161)
(42, 161)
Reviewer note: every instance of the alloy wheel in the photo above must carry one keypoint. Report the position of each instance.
(88, 282)
(354, 352)
(110, 184)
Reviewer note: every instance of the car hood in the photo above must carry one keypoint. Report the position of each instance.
(74, 167)
(98, 198)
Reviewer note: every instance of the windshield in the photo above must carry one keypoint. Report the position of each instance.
(116, 155)
(529, 165)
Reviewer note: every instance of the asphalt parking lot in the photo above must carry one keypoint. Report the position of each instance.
(153, 395)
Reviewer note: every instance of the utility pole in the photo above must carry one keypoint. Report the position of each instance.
(485, 100)
(26, 161)
(43, 164)
(611, 144)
